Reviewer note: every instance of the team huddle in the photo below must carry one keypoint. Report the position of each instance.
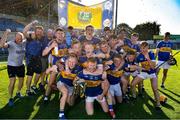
(102, 66)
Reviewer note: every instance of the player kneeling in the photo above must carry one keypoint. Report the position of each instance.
(93, 77)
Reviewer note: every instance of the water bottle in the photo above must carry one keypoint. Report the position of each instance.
(56, 51)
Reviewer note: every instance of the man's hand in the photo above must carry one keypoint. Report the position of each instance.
(100, 97)
(53, 45)
(8, 30)
(34, 22)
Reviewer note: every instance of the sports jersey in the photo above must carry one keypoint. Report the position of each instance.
(62, 51)
(113, 76)
(93, 41)
(127, 42)
(165, 47)
(68, 78)
(135, 47)
(128, 63)
(144, 62)
(93, 82)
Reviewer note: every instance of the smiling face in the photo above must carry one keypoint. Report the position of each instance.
(77, 47)
(134, 39)
(91, 66)
(144, 47)
(18, 38)
(122, 34)
(104, 48)
(117, 61)
(72, 61)
(89, 48)
(131, 58)
(39, 33)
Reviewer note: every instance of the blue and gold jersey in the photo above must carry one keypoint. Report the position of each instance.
(135, 47)
(83, 61)
(93, 82)
(113, 76)
(62, 51)
(68, 78)
(145, 63)
(165, 48)
(128, 63)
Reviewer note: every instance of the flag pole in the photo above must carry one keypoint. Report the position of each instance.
(116, 15)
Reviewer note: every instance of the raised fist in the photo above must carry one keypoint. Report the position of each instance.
(8, 30)
(34, 22)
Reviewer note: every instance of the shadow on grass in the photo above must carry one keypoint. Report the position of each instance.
(22, 108)
(49, 110)
(172, 92)
(142, 108)
(169, 96)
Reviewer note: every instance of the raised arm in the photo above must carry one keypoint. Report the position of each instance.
(28, 27)
(48, 49)
(4, 39)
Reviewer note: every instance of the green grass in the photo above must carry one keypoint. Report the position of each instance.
(33, 108)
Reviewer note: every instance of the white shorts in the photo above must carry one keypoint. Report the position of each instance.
(164, 66)
(70, 89)
(145, 75)
(91, 99)
(115, 90)
(133, 74)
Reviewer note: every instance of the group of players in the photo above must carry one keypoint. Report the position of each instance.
(105, 64)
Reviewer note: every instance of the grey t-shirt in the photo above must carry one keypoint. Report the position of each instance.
(16, 53)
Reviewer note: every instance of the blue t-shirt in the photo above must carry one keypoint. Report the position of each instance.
(34, 48)
(165, 48)
(145, 64)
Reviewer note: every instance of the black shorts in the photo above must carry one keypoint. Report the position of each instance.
(14, 71)
(34, 66)
(44, 61)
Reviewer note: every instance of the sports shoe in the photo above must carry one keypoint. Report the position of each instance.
(62, 117)
(34, 88)
(162, 86)
(143, 89)
(133, 99)
(46, 99)
(18, 94)
(125, 98)
(11, 103)
(141, 95)
(29, 93)
(41, 87)
(128, 90)
(112, 114)
(158, 108)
